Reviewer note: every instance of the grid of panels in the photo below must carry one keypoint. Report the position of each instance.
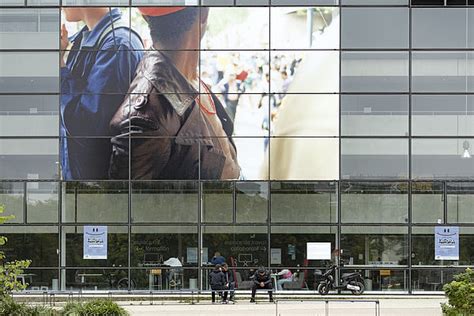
(390, 84)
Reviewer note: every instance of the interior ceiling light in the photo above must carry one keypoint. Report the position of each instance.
(466, 153)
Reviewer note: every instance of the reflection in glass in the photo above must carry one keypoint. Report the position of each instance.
(42, 202)
(430, 279)
(460, 203)
(374, 202)
(374, 158)
(165, 279)
(374, 28)
(427, 202)
(217, 202)
(378, 246)
(385, 280)
(300, 202)
(374, 72)
(374, 115)
(442, 158)
(36, 243)
(165, 202)
(95, 202)
(11, 198)
(117, 247)
(251, 202)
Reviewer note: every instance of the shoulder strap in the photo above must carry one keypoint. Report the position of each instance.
(117, 24)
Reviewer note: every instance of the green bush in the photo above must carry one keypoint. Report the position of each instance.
(97, 307)
(460, 293)
(8, 307)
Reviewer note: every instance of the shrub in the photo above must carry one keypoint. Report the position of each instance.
(460, 293)
(94, 307)
(8, 307)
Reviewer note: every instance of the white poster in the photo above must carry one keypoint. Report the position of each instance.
(95, 242)
(318, 250)
(275, 257)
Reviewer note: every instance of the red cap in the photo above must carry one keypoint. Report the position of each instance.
(159, 11)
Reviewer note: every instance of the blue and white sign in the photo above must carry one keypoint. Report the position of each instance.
(95, 242)
(446, 243)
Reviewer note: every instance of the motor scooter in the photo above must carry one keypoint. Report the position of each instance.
(349, 281)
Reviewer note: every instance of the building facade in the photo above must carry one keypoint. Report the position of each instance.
(366, 144)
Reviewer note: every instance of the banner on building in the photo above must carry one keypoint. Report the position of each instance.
(95, 242)
(446, 243)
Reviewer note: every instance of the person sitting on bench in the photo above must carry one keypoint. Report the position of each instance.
(262, 280)
(217, 280)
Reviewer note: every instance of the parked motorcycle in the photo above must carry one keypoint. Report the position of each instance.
(349, 281)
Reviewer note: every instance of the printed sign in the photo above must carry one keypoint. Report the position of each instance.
(446, 243)
(95, 242)
(275, 256)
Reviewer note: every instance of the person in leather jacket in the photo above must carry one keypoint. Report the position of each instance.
(262, 280)
(176, 126)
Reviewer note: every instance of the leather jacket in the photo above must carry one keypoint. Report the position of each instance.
(166, 132)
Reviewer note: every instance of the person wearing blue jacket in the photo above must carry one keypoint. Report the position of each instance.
(95, 78)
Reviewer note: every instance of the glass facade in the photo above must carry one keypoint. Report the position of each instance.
(340, 121)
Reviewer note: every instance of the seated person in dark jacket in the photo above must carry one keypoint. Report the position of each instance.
(262, 280)
(217, 280)
(230, 282)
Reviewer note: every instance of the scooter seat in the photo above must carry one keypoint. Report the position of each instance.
(347, 275)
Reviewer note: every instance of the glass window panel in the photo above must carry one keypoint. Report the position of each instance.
(374, 72)
(29, 72)
(29, 29)
(117, 245)
(158, 279)
(303, 2)
(166, 2)
(304, 159)
(374, 28)
(460, 202)
(303, 27)
(424, 280)
(374, 115)
(29, 115)
(374, 202)
(11, 197)
(251, 202)
(36, 243)
(307, 72)
(442, 158)
(442, 72)
(383, 280)
(217, 202)
(453, 32)
(165, 202)
(40, 280)
(374, 158)
(113, 278)
(42, 202)
(442, 115)
(423, 241)
(151, 246)
(228, 28)
(300, 202)
(427, 202)
(42, 2)
(95, 202)
(374, 245)
(321, 115)
(28, 158)
(241, 246)
(291, 243)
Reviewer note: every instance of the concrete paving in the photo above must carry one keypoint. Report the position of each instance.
(390, 306)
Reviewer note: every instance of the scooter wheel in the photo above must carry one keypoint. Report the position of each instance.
(323, 289)
(361, 287)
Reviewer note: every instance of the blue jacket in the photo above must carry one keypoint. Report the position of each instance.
(98, 72)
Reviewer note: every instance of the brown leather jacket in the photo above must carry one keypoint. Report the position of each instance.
(171, 135)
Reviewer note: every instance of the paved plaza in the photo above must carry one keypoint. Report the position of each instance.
(391, 306)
